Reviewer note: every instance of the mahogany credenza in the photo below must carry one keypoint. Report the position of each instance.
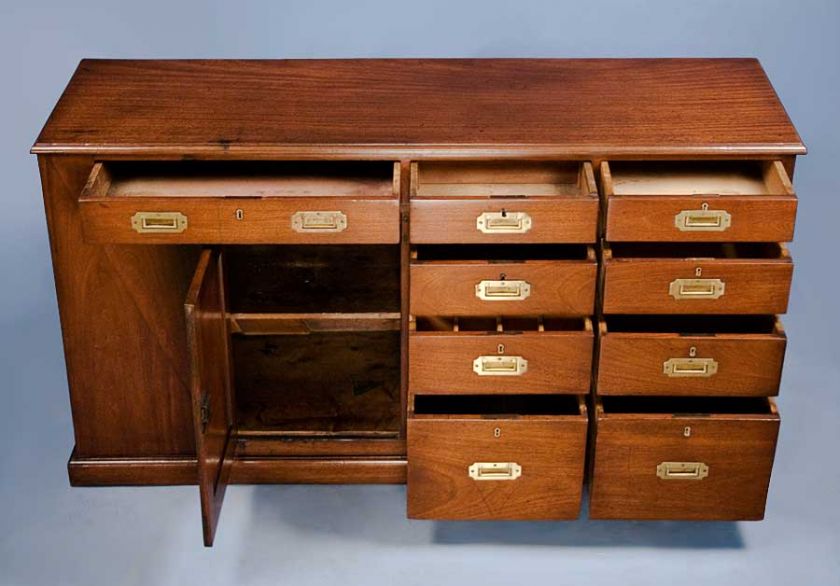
(494, 280)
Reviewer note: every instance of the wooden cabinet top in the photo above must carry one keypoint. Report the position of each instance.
(420, 108)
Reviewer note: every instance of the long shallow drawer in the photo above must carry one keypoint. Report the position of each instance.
(696, 279)
(675, 355)
(503, 201)
(698, 201)
(511, 281)
(482, 356)
(682, 459)
(496, 458)
(241, 203)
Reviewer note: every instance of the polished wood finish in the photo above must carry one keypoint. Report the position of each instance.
(559, 360)
(550, 450)
(748, 362)
(644, 198)
(210, 388)
(415, 108)
(754, 284)
(122, 320)
(737, 448)
(344, 357)
(447, 288)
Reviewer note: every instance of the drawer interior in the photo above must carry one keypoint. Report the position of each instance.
(502, 179)
(698, 178)
(619, 405)
(510, 325)
(706, 325)
(497, 405)
(745, 250)
(502, 253)
(243, 179)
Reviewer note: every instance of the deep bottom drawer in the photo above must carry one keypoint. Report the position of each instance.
(504, 466)
(652, 461)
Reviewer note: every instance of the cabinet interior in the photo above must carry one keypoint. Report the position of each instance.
(686, 405)
(693, 324)
(696, 178)
(315, 339)
(497, 405)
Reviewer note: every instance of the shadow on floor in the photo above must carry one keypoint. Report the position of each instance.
(377, 514)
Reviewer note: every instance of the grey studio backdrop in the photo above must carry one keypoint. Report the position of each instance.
(52, 534)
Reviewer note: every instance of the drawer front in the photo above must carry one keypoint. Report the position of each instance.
(671, 364)
(184, 220)
(530, 362)
(565, 220)
(701, 219)
(471, 468)
(651, 286)
(472, 288)
(647, 468)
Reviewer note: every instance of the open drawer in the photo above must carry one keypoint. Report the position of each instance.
(500, 355)
(479, 457)
(490, 280)
(741, 278)
(675, 355)
(698, 201)
(503, 201)
(171, 202)
(682, 459)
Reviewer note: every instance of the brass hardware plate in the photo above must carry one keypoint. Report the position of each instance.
(682, 471)
(503, 290)
(159, 222)
(704, 220)
(690, 367)
(500, 366)
(696, 288)
(495, 471)
(503, 223)
(319, 222)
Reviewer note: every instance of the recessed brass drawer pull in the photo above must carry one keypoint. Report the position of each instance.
(495, 471)
(319, 222)
(503, 290)
(696, 288)
(690, 367)
(500, 366)
(503, 222)
(159, 222)
(703, 220)
(682, 471)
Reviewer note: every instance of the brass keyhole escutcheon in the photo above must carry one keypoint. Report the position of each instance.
(687, 431)
(239, 214)
(497, 432)
(500, 348)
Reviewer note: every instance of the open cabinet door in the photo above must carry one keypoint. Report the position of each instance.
(207, 336)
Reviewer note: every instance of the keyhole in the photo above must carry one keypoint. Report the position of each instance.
(692, 352)
(705, 206)
(239, 214)
(698, 272)
(500, 348)
(687, 431)
(504, 213)
(502, 276)
(497, 432)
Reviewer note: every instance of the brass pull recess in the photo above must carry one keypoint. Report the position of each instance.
(690, 367)
(703, 220)
(500, 366)
(503, 290)
(682, 471)
(159, 222)
(503, 222)
(495, 471)
(319, 222)
(696, 288)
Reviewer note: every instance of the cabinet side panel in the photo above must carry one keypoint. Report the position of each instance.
(122, 321)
